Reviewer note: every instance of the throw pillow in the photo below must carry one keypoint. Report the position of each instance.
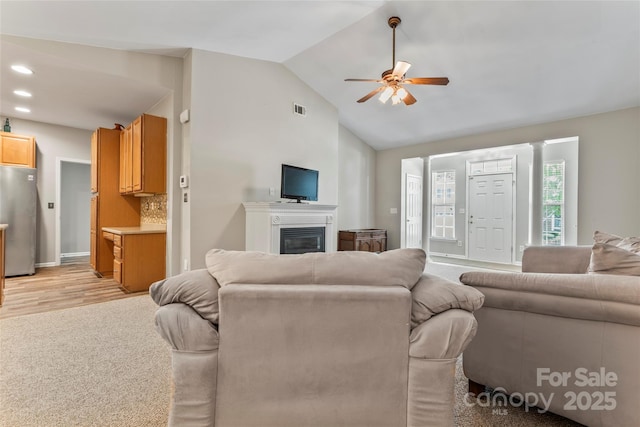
(613, 254)
(629, 243)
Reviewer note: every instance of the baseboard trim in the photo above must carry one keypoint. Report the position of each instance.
(74, 254)
(45, 264)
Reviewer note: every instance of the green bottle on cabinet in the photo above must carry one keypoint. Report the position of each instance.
(7, 125)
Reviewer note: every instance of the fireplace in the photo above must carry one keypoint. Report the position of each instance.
(266, 220)
(300, 240)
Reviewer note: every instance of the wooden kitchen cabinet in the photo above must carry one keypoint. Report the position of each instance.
(108, 207)
(94, 161)
(93, 253)
(368, 240)
(138, 259)
(17, 150)
(126, 185)
(144, 156)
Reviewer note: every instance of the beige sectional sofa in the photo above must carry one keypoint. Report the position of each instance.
(325, 339)
(564, 338)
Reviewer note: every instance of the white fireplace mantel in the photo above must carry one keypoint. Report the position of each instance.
(265, 219)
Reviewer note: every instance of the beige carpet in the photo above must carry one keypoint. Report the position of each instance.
(96, 365)
(104, 365)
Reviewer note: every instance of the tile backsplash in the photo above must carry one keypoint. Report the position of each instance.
(153, 209)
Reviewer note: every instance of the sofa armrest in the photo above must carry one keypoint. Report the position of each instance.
(444, 336)
(597, 297)
(185, 330)
(433, 295)
(196, 288)
(556, 259)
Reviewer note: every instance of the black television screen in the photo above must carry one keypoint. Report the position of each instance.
(299, 183)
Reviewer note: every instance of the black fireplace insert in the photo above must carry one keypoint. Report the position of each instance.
(300, 240)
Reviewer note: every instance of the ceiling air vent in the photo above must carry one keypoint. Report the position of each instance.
(300, 110)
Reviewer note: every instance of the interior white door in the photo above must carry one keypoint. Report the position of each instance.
(491, 217)
(413, 211)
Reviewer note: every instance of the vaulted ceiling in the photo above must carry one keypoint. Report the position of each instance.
(510, 63)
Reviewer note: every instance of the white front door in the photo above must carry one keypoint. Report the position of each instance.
(491, 217)
(413, 211)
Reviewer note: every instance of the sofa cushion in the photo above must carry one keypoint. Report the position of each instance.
(433, 294)
(613, 254)
(398, 267)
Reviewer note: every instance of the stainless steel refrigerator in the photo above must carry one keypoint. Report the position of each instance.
(18, 198)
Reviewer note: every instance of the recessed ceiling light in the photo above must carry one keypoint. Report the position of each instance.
(22, 93)
(21, 69)
(23, 109)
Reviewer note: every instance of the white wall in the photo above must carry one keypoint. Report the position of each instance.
(242, 129)
(75, 197)
(356, 192)
(185, 206)
(169, 108)
(608, 194)
(52, 141)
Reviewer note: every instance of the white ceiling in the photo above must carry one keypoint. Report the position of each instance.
(510, 63)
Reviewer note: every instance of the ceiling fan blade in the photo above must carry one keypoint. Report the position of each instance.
(363, 80)
(427, 81)
(370, 94)
(401, 68)
(409, 99)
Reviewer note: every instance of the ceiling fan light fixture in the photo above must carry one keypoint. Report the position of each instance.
(386, 94)
(401, 68)
(392, 80)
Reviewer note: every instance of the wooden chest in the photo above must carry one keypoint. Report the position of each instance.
(367, 239)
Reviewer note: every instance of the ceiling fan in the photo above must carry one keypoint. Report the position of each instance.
(392, 80)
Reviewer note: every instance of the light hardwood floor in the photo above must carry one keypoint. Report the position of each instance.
(53, 288)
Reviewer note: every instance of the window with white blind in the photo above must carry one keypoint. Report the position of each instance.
(443, 197)
(553, 229)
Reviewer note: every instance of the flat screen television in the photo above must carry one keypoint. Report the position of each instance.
(299, 183)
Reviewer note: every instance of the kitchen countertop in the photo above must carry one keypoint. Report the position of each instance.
(3, 226)
(142, 229)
